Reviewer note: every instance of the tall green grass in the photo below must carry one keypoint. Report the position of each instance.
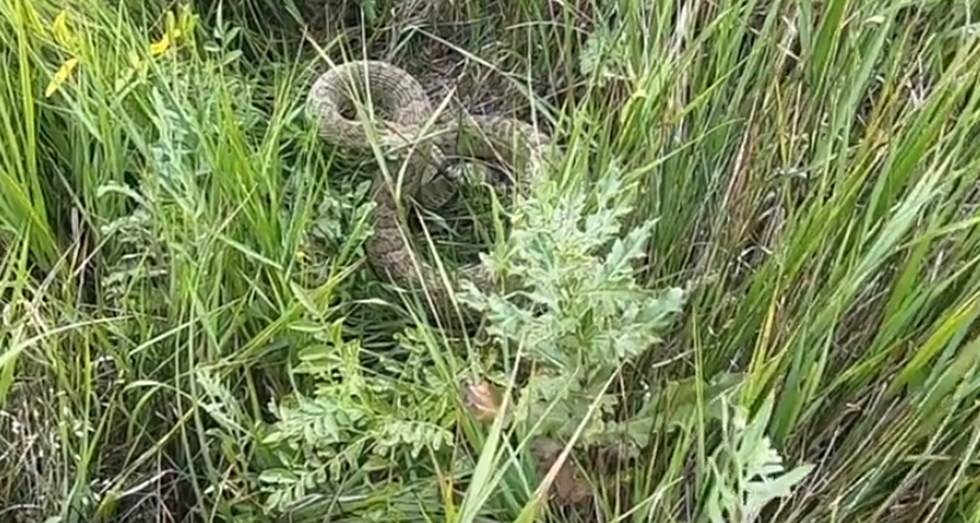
(190, 328)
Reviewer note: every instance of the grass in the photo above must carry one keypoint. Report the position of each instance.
(750, 278)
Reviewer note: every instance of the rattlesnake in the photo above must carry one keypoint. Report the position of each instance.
(509, 142)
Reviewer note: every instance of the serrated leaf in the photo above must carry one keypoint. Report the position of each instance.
(761, 493)
(624, 251)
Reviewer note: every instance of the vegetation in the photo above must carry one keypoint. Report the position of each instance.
(746, 292)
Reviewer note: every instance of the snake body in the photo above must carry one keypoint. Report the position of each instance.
(410, 130)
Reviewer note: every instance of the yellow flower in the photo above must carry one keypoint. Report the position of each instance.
(62, 34)
(163, 44)
(175, 29)
(60, 77)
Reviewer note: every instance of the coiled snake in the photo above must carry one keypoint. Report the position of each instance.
(404, 131)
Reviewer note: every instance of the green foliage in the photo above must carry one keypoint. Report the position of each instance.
(357, 421)
(747, 472)
(580, 311)
(187, 321)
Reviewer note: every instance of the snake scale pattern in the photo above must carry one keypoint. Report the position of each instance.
(410, 131)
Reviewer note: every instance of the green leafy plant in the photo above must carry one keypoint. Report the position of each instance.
(578, 312)
(746, 472)
(356, 422)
